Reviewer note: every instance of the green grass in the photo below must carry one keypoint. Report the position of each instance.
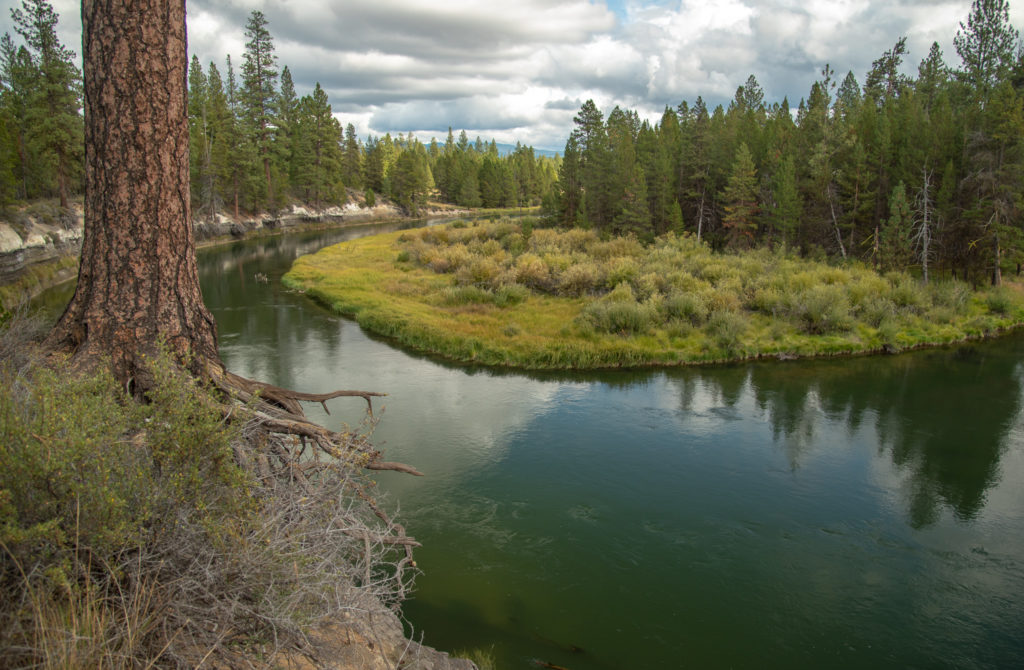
(506, 294)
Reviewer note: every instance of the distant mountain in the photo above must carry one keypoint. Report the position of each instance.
(506, 149)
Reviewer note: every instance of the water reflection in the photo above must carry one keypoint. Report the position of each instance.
(942, 416)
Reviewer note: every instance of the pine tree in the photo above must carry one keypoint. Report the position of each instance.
(200, 131)
(54, 123)
(318, 169)
(258, 97)
(570, 189)
(740, 198)
(783, 215)
(17, 79)
(221, 125)
(411, 180)
(240, 151)
(986, 45)
(895, 243)
(351, 164)
(594, 165)
(286, 129)
(932, 75)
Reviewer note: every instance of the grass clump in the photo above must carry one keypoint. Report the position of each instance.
(578, 300)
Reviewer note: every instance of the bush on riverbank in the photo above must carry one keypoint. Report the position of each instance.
(134, 534)
(510, 293)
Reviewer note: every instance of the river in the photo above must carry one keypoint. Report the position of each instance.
(863, 512)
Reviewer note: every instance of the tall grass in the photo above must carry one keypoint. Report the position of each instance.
(589, 301)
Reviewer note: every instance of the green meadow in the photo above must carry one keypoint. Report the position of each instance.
(509, 293)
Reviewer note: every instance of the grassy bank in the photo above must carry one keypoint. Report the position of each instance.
(507, 293)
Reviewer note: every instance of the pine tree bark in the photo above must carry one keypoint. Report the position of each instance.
(138, 281)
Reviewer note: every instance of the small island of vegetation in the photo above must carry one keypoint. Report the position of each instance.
(508, 293)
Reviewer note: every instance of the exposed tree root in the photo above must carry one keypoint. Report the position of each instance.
(278, 414)
(279, 411)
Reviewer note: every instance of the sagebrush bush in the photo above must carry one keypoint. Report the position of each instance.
(999, 301)
(689, 307)
(532, 271)
(579, 279)
(955, 295)
(822, 309)
(727, 330)
(133, 534)
(511, 294)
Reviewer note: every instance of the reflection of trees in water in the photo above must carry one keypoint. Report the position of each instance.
(274, 324)
(943, 416)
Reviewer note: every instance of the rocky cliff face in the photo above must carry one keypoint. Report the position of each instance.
(42, 236)
(28, 242)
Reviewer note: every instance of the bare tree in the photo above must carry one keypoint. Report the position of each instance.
(924, 221)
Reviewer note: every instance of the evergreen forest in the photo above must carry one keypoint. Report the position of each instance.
(921, 173)
(903, 172)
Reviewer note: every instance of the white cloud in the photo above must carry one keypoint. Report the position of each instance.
(510, 66)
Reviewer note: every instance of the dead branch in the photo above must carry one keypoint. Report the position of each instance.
(397, 467)
(278, 411)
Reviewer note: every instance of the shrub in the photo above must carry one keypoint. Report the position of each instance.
(907, 294)
(134, 534)
(617, 247)
(726, 296)
(511, 294)
(876, 310)
(619, 312)
(618, 317)
(620, 269)
(544, 241)
(690, 307)
(955, 295)
(726, 329)
(768, 300)
(532, 271)
(999, 301)
(479, 271)
(515, 243)
(557, 262)
(649, 285)
(579, 279)
(492, 247)
(822, 309)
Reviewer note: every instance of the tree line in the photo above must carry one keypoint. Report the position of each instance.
(256, 146)
(901, 172)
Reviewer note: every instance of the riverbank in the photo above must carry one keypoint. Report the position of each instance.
(367, 634)
(506, 295)
(40, 243)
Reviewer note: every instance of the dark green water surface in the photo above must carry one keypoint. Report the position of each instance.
(858, 513)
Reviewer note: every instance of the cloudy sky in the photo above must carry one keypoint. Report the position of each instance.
(518, 70)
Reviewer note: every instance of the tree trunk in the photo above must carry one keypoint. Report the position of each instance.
(138, 282)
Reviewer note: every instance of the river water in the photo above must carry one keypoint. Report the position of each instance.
(864, 512)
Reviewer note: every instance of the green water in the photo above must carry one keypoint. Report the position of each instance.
(852, 513)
